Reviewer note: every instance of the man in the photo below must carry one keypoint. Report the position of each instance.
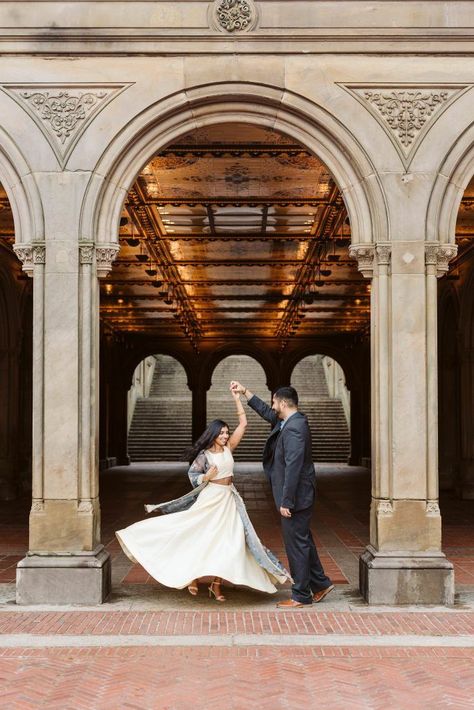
(288, 464)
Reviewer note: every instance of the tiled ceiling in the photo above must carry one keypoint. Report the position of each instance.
(235, 232)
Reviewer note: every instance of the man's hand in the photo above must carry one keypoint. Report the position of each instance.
(285, 512)
(237, 387)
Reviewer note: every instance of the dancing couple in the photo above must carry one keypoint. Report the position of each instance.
(208, 533)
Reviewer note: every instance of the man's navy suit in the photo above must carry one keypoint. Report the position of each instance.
(288, 465)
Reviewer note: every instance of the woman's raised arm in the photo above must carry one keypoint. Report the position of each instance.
(238, 433)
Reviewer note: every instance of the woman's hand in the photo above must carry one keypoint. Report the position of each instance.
(211, 473)
(235, 394)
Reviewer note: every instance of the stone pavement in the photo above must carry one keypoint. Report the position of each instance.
(153, 648)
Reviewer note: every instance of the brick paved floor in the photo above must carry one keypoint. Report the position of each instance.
(247, 653)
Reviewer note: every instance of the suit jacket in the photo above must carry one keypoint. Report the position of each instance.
(288, 459)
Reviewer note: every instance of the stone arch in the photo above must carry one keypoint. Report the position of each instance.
(338, 354)
(162, 349)
(452, 179)
(244, 102)
(22, 191)
(262, 357)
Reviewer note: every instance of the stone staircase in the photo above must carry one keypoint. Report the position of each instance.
(220, 404)
(161, 425)
(330, 433)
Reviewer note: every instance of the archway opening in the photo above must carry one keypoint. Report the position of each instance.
(220, 405)
(456, 395)
(325, 399)
(15, 397)
(233, 241)
(159, 411)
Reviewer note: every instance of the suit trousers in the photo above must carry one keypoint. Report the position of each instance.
(305, 565)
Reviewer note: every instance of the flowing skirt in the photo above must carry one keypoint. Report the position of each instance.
(207, 540)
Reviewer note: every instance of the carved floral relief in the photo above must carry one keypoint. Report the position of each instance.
(406, 113)
(234, 16)
(63, 112)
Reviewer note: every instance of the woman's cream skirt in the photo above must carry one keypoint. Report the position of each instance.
(206, 540)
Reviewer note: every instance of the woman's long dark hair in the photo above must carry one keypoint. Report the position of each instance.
(206, 439)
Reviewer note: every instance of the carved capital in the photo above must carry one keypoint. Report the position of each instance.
(86, 253)
(383, 252)
(29, 255)
(105, 255)
(234, 16)
(439, 256)
(364, 255)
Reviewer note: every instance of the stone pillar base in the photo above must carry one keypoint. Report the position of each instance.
(411, 578)
(83, 578)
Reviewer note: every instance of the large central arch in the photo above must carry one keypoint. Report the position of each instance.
(258, 104)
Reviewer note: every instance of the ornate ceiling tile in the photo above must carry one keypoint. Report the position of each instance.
(406, 112)
(61, 112)
(233, 16)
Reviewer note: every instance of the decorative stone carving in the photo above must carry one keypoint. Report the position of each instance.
(86, 253)
(104, 257)
(383, 252)
(234, 15)
(37, 506)
(85, 506)
(63, 112)
(439, 255)
(432, 507)
(384, 507)
(29, 255)
(364, 255)
(406, 113)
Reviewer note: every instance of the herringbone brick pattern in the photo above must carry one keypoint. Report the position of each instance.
(174, 623)
(226, 678)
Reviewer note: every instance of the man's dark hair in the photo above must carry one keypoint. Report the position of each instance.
(289, 394)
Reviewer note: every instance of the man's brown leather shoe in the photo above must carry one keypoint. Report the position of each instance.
(291, 604)
(319, 596)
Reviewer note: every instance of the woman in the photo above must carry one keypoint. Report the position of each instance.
(208, 532)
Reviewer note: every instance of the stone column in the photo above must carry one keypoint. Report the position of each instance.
(404, 564)
(66, 562)
(199, 409)
(466, 486)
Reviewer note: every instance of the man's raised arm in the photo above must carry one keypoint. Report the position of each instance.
(255, 403)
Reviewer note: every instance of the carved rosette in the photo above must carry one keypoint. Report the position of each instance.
(439, 256)
(105, 256)
(30, 255)
(234, 16)
(364, 255)
(86, 253)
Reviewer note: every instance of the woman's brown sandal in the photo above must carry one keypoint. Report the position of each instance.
(193, 588)
(212, 592)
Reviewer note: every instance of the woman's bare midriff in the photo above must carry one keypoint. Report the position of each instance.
(223, 481)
